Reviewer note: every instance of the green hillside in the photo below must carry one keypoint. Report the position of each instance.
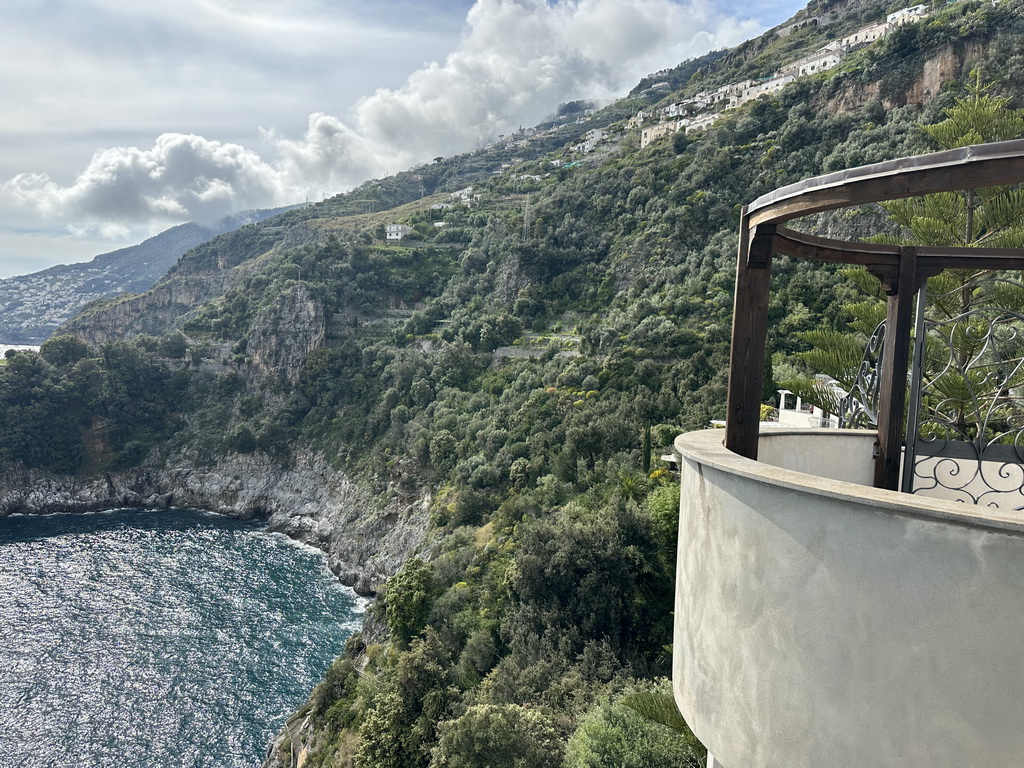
(519, 370)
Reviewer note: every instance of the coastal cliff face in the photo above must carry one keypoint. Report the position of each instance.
(155, 312)
(365, 541)
(947, 63)
(284, 333)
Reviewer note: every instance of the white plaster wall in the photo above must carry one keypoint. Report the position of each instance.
(823, 624)
(830, 453)
(798, 419)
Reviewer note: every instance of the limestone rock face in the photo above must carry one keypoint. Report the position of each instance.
(158, 311)
(944, 64)
(312, 502)
(283, 334)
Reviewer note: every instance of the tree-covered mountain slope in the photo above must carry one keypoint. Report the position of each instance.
(511, 369)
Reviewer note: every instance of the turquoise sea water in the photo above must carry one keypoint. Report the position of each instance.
(157, 639)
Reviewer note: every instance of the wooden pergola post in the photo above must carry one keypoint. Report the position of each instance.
(749, 335)
(892, 393)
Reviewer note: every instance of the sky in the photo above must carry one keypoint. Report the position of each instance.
(123, 118)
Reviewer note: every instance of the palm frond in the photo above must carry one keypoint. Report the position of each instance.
(659, 708)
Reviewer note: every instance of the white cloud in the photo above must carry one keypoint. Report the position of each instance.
(180, 177)
(519, 58)
(516, 60)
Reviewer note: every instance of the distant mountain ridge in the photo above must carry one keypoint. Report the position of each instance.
(33, 306)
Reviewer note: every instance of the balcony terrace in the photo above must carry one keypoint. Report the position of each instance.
(824, 618)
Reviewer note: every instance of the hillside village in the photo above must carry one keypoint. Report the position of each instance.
(691, 114)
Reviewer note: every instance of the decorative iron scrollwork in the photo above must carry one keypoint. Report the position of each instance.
(859, 409)
(970, 441)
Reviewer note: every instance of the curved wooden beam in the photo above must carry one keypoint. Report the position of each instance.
(981, 165)
(901, 269)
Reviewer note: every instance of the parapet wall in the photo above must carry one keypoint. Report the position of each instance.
(823, 623)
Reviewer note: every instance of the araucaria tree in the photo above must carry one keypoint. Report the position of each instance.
(990, 217)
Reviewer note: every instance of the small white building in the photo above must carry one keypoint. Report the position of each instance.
(466, 196)
(820, 62)
(396, 231)
(680, 107)
(702, 122)
(907, 15)
(590, 141)
(766, 88)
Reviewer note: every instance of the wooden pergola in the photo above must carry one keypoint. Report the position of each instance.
(901, 270)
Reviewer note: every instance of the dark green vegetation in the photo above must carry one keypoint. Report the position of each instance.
(72, 408)
(521, 368)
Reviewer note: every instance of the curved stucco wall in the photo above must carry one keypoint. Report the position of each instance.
(822, 623)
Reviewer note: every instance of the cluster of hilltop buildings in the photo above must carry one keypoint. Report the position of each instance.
(692, 114)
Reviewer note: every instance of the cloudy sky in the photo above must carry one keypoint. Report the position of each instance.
(122, 118)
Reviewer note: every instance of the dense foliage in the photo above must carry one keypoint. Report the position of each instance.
(74, 409)
(521, 367)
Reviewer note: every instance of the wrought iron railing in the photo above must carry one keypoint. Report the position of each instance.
(966, 404)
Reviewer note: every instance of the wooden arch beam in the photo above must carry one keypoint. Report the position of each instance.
(901, 270)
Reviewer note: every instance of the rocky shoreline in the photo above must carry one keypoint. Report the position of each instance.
(365, 541)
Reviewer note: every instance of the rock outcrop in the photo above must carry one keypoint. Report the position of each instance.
(946, 63)
(160, 310)
(310, 501)
(284, 333)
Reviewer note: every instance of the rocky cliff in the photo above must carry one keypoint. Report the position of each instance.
(365, 540)
(158, 311)
(284, 333)
(940, 66)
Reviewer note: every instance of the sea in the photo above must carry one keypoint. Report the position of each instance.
(171, 639)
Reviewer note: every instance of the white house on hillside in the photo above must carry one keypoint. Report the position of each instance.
(590, 141)
(702, 122)
(396, 231)
(774, 85)
(467, 196)
(907, 15)
(822, 59)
